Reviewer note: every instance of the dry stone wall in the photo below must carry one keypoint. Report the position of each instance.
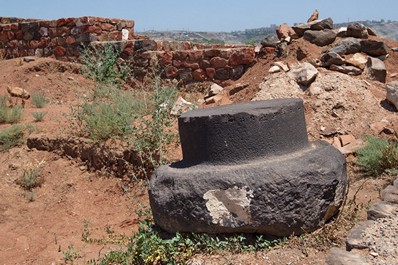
(64, 38)
(61, 38)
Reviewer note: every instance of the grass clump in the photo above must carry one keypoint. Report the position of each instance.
(30, 178)
(9, 114)
(10, 137)
(39, 100)
(378, 155)
(38, 116)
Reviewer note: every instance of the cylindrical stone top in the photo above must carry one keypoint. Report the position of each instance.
(246, 131)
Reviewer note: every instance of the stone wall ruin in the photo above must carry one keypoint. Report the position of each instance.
(64, 38)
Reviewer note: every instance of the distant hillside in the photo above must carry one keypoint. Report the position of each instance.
(385, 29)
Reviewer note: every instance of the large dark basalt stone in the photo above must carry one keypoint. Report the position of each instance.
(249, 168)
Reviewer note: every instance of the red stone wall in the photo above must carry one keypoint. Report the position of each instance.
(64, 38)
(186, 61)
(60, 38)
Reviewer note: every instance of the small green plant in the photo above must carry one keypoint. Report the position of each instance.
(70, 254)
(10, 137)
(9, 114)
(38, 116)
(102, 64)
(30, 178)
(378, 156)
(39, 100)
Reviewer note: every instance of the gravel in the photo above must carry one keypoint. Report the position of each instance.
(382, 239)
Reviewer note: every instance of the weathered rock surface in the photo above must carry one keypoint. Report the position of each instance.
(373, 47)
(320, 38)
(270, 41)
(284, 31)
(358, 60)
(357, 30)
(346, 46)
(304, 74)
(376, 69)
(314, 16)
(390, 194)
(382, 209)
(329, 58)
(355, 238)
(346, 69)
(338, 256)
(314, 25)
(242, 172)
(392, 93)
(180, 106)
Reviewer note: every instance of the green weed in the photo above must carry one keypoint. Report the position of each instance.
(10, 137)
(39, 100)
(378, 156)
(102, 64)
(70, 254)
(30, 178)
(38, 116)
(9, 114)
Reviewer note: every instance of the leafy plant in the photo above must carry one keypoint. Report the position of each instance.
(11, 137)
(70, 254)
(39, 100)
(39, 116)
(102, 64)
(378, 155)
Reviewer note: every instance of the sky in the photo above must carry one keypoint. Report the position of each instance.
(204, 15)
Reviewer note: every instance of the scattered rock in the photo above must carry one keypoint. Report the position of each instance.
(329, 58)
(373, 47)
(358, 60)
(320, 38)
(378, 127)
(352, 147)
(354, 238)
(349, 70)
(28, 59)
(314, 25)
(376, 69)
(382, 209)
(390, 194)
(338, 256)
(347, 139)
(270, 41)
(304, 74)
(180, 106)
(314, 16)
(282, 66)
(214, 90)
(284, 31)
(342, 32)
(347, 46)
(392, 93)
(357, 30)
(238, 87)
(274, 69)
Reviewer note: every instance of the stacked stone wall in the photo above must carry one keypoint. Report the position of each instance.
(62, 38)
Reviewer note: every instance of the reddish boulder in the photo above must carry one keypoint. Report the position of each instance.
(171, 71)
(284, 31)
(59, 51)
(210, 72)
(242, 56)
(165, 58)
(199, 75)
(218, 62)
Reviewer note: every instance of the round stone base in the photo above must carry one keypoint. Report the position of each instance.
(281, 195)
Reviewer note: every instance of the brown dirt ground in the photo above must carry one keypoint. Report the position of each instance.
(39, 232)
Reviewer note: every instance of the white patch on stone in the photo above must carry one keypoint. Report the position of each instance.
(229, 207)
(125, 34)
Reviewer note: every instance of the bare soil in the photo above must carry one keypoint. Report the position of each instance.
(73, 203)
